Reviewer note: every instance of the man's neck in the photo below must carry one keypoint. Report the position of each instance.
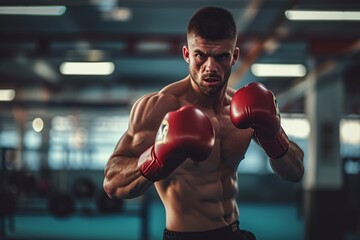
(209, 101)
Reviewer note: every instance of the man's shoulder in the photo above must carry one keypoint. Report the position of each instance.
(149, 110)
(156, 104)
(176, 88)
(230, 91)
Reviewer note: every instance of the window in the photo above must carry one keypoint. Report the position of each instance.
(84, 145)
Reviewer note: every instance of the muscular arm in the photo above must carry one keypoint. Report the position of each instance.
(290, 166)
(122, 176)
(255, 106)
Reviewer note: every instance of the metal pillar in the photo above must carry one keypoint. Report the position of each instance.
(323, 198)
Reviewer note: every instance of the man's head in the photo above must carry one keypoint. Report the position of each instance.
(211, 48)
(212, 23)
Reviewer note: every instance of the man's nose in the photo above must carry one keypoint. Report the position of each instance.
(210, 65)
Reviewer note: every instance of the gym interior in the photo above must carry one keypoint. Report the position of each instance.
(59, 123)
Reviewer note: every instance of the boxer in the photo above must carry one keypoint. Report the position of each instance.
(189, 138)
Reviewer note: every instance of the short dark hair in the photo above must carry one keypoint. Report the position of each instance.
(213, 23)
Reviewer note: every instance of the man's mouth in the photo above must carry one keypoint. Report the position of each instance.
(211, 82)
(211, 79)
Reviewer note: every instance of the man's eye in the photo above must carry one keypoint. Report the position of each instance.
(223, 57)
(199, 56)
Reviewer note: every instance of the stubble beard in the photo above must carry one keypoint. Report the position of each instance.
(208, 90)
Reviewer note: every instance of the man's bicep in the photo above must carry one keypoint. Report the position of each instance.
(132, 145)
(145, 118)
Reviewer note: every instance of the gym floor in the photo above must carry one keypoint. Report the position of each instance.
(267, 221)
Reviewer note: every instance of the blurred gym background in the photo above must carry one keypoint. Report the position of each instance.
(71, 70)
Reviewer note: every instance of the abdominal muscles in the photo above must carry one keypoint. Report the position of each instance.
(198, 201)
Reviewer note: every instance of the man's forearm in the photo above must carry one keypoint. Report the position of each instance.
(123, 178)
(290, 166)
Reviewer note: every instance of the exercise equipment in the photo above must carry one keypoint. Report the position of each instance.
(7, 204)
(106, 205)
(7, 198)
(61, 204)
(84, 188)
(22, 182)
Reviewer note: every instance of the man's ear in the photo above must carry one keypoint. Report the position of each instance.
(236, 55)
(186, 53)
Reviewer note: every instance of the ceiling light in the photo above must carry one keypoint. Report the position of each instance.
(153, 46)
(87, 68)
(278, 70)
(302, 15)
(7, 94)
(44, 70)
(38, 124)
(33, 10)
(121, 14)
(350, 131)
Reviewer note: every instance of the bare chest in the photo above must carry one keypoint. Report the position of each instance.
(231, 142)
(230, 146)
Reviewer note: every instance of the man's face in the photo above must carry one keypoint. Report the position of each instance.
(210, 62)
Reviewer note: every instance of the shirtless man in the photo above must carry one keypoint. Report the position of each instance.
(189, 138)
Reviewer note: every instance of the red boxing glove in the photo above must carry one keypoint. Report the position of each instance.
(255, 106)
(185, 133)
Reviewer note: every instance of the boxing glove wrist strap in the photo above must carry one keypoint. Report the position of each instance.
(275, 148)
(148, 165)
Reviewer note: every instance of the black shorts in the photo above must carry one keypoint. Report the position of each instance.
(230, 232)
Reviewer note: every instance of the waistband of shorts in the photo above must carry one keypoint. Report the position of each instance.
(220, 233)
